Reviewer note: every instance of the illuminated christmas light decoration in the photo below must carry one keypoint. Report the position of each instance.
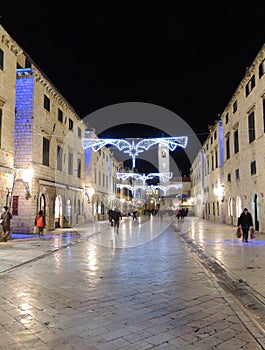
(133, 149)
(136, 176)
(151, 188)
(166, 188)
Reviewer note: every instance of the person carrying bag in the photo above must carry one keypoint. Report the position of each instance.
(245, 222)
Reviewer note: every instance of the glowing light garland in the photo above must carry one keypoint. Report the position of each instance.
(136, 176)
(152, 187)
(133, 149)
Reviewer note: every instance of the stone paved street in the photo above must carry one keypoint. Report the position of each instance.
(144, 288)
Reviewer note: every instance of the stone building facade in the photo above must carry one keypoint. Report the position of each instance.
(9, 52)
(240, 181)
(244, 145)
(207, 176)
(43, 165)
(47, 146)
(101, 180)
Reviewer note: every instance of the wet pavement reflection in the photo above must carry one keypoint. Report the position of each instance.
(145, 287)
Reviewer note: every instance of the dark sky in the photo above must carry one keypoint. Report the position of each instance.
(188, 59)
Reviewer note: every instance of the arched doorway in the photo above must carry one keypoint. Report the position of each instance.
(238, 206)
(78, 210)
(69, 212)
(256, 215)
(58, 212)
(42, 204)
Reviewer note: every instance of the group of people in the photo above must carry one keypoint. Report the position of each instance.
(5, 222)
(182, 213)
(245, 221)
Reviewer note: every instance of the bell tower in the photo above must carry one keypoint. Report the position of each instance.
(163, 159)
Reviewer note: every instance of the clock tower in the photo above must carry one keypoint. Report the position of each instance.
(163, 159)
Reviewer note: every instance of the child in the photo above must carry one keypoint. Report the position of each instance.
(40, 223)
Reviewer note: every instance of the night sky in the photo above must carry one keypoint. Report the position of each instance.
(187, 59)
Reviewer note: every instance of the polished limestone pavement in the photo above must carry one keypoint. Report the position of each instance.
(156, 284)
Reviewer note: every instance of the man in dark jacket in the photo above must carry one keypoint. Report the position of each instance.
(116, 215)
(245, 222)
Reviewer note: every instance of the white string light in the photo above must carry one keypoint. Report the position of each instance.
(133, 149)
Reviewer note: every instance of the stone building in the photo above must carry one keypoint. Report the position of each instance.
(207, 176)
(42, 160)
(197, 184)
(240, 181)
(9, 52)
(101, 180)
(244, 145)
(48, 149)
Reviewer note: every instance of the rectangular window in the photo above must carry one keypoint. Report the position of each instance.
(251, 128)
(216, 159)
(71, 124)
(79, 168)
(250, 85)
(99, 178)
(1, 59)
(236, 144)
(95, 176)
(47, 103)
(1, 111)
(227, 148)
(226, 118)
(59, 158)
(263, 111)
(237, 174)
(60, 115)
(27, 63)
(262, 68)
(235, 107)
(253, 167)
(70, 163)
(79, 132)
(212, 162)
(45, 151)
(228, 177)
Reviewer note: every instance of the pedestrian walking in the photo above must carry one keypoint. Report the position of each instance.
(116, 216)
(40, 223)
(110, 217)
(5, 219)
(135, 215)
(179, 213)
(245, 221)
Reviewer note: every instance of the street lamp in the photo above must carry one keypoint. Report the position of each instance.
(89, 192)
(112, 199)
(122, 200)
(26, 176)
